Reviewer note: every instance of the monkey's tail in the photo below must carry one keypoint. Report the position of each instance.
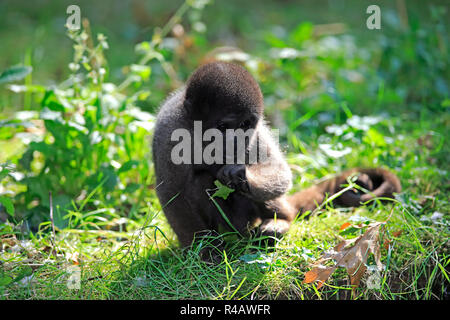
(379, 182)
(306, 200)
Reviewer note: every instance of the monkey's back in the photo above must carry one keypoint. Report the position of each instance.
(171, 116)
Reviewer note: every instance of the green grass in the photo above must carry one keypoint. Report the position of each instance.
(147, 265)
(355, 99)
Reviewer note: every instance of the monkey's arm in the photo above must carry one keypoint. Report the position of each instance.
(266, 179)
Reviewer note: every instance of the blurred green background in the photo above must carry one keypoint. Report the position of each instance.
(33, 31)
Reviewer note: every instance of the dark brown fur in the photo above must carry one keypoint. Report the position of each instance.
(224, 94)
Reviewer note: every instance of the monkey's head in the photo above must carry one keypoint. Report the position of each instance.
(224, 96)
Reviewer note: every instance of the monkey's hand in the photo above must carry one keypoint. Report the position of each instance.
(234, 176)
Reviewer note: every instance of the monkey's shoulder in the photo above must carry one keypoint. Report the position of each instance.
(171, 116)
(172, 108)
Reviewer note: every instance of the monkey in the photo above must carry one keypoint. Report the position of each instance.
(224, 96)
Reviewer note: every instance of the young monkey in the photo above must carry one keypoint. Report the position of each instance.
(225, 96)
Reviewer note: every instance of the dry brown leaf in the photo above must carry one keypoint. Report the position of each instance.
(356, 274)
(426, 141)
(350, 254)
(319, 273)
(386, 243)
(397, 233)
(310, 276)
(8, 241)
(325, 274)
(74, 258)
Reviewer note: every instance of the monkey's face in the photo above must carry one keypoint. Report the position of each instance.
(227, 100)
(236, 131)
(234, 121)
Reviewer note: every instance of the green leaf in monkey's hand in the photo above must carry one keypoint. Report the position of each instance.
(223, 191)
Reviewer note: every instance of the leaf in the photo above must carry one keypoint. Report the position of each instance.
(386, 243)
(15, 73)
(128, 166)
(25, 271)
(262, 260)
(26, 88)
(345, 225)
(223, 191)
(325, 274)
(4, 172)
(7, 203)
(350, 254)
(373, 137)
(356, 274)
(333, 151)
(132, 187)
(8, 240)
(142, 71)
(74, 258)
(310, 276)
(319, 273)
(352, 230)
(397, 234)
(5, 280)
(302, 32)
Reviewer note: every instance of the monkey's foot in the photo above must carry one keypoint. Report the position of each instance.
(274, 228)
